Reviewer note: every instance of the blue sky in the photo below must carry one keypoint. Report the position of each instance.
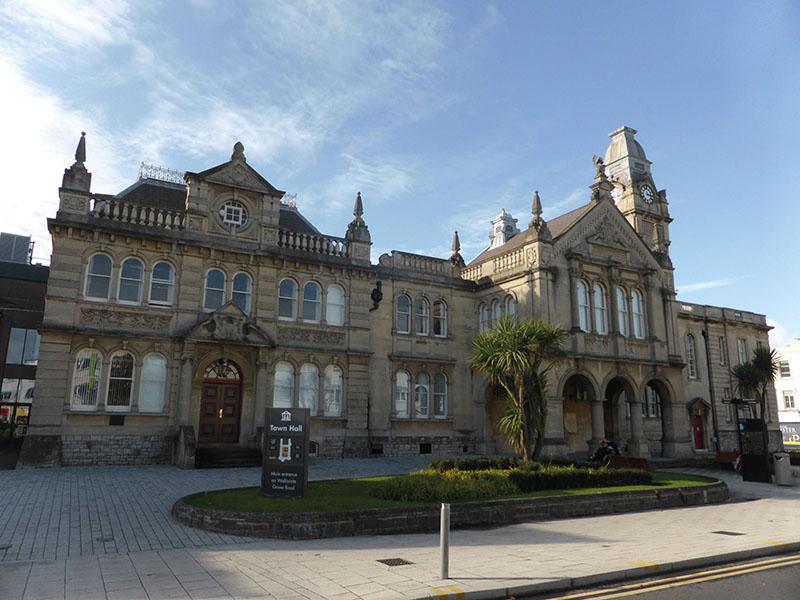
(440, 114)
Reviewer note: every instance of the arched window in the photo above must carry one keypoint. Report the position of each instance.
(652, 402)
(242, 290)
(421, 316)
(215, 289)
(287, 299)
(440, 318)
(312, 302)
(483, 318)
(497, 313)
(333, 391)
(600, 323)
(153, 383)
(638, 314)
(511, 308)
(162, 284)
(120, 381)
(582, 293)
(403, 316)
(98, 277)
(401, 393)
(309, 387)
(334, 305)
(86, 379)
(130, 281)
(283, 388)
(421, 396)
(440, 395)
(691, 359)
(622, 311)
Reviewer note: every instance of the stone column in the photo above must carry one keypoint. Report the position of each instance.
(185, 390)
(573, 300)
(260, 400)
(638, 444)
(598, 424)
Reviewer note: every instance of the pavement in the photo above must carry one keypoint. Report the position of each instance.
(105, 533)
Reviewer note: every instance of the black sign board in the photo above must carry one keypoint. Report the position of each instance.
(284, 470)
(754, 455)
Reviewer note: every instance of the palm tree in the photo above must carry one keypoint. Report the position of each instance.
(513, 355)
(753, 379)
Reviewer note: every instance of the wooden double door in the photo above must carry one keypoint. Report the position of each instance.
(220, 413)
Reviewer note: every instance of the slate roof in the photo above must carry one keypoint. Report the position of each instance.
(557, 226)
(155, 194)
(291, 219)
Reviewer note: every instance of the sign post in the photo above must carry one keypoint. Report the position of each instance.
(284, 469)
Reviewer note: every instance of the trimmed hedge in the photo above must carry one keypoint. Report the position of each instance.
(447, 486)
(482, 464)
(554, 477)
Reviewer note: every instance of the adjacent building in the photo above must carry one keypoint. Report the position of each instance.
(787, 389)
(182, 307)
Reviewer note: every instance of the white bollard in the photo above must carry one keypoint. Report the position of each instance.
(444, 541)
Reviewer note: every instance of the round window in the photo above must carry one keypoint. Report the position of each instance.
(233, 214)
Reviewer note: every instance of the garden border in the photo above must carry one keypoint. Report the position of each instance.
(425, 519)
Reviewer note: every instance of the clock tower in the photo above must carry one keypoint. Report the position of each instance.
(635, 193)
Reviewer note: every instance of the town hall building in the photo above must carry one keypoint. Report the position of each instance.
(180, 308)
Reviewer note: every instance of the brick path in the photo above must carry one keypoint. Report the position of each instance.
(484, 563)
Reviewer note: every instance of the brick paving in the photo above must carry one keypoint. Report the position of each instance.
(484, 563)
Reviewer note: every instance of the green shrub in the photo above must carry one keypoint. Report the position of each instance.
(556, 477)
(447, 486)
(482, 464)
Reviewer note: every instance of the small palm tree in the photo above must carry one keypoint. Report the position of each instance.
(513, 356)
(753, 379)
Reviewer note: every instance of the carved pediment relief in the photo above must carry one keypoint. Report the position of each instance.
(239, 174)
(606, 235)
(230, 325)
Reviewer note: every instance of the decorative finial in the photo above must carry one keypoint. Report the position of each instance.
(536, 209)
(455, 258)
(80, 151)
(358, 208)
(456, 245)
(238, 152)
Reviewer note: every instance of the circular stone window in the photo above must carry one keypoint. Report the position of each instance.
(233, 214)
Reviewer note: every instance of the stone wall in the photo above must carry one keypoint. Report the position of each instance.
(92, 449)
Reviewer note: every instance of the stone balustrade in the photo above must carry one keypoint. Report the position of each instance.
(506, 262)
(113, 209)
(416, 262)
(316, 244)
(473, 273)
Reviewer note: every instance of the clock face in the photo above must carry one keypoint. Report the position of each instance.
(647, 193)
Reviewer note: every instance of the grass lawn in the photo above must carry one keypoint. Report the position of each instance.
(353, 494)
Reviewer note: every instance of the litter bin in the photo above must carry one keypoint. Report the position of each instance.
(783, 469)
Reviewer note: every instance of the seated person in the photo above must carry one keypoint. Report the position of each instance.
(604, 451)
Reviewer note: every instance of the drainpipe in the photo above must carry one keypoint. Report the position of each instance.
(711, 384)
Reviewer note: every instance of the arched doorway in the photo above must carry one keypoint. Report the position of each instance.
(496, 408)
(577, 397)
(616, 410)
(698, 413)
(220, 403)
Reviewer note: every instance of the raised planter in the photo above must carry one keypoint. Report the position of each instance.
(463, 515)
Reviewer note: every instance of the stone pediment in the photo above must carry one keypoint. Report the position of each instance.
(228, 324)
(238, 174)
(608, 237)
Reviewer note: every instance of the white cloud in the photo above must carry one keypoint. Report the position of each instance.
(778, 335)
(710, 284)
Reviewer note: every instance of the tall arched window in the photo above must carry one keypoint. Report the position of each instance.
(333, 391)
(130, 281)
(637, 314)
(242, 291)
(622, 311)
(215, 289)
(283, 388)
(312, 302)
(582, 293)
(120, 381)
(162, 284)
(401, 393)
(511, 308)
(309, 387)
(421, 316)
(440, 395)
(600, 323)
(287, 299)
(403, 314)
(421, 396)
(334, 305)
(440, 318)
(497, 313)
(98, 277)
(153, 383)
(483, 318)
(86, 379)
(691, 359)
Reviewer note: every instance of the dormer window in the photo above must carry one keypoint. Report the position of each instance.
(233, 214)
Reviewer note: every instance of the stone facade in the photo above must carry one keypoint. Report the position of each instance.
(192, 306)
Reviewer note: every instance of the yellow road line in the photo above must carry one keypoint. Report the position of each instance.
(644, 586)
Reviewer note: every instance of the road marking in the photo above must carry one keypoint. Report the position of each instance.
(457, 591)
(647, 566)
(683, 580)
(454, 592)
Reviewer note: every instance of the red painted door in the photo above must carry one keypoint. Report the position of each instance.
(697, 431)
